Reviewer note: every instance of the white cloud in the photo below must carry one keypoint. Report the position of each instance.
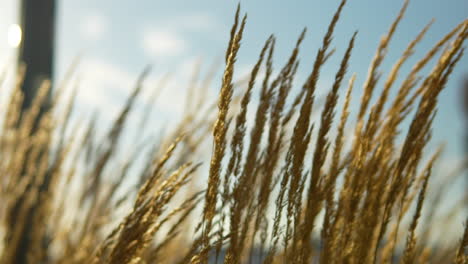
(161, 43)
(100, 82)
(195, 22)
(173, 97)
(104, 87)
(93, 26)
(164, 39)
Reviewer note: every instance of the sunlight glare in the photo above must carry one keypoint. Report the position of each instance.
(14, 35)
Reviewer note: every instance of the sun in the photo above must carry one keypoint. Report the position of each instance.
(14, 35)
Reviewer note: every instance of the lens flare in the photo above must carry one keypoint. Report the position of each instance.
(14, 35)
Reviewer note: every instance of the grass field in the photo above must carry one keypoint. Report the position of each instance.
(285, 188)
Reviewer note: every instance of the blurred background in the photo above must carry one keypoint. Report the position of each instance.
(116, 39)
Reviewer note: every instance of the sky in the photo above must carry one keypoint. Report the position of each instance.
(118, 38)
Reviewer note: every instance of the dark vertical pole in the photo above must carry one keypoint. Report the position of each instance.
(36, 51)
(37, 47)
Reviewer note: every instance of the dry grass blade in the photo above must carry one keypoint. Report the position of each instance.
(219, 134)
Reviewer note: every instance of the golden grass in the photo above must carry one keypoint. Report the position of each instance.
(65, 199)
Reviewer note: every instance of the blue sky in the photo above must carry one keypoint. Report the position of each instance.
(118, 38)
